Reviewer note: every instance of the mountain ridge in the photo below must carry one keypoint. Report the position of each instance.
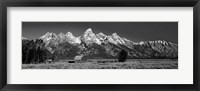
(106, 46)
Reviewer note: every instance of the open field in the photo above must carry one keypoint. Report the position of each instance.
(108, 64)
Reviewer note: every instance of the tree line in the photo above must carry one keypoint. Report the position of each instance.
(34, 51)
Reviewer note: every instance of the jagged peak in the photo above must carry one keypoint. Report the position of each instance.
(141, 43)
(61, 34)
(115, 34)
(49, 34)
(97, 38)
(164, 42)
(69, 34)
(126, 39)
(89, 30)
(159, 41)
(101, 34)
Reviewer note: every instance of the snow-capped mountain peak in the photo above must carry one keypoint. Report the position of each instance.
(90, 37)
(88, 33)
(117, 38)
(61, 35)
(69, 34)
(112, 44)
(101, 36)
(72, 39)
(141, 42)
(115, 35)
(89, 30)
(49, 36)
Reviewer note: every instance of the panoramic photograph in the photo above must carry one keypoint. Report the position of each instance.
(99, 45)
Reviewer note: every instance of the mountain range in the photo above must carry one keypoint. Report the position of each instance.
(100, 45)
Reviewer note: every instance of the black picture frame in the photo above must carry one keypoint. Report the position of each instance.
(98, 3)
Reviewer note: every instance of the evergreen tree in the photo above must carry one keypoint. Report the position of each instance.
(122, 55)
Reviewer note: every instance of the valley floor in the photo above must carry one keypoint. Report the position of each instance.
(108, 64)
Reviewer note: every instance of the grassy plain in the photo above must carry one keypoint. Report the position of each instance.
(108, 64)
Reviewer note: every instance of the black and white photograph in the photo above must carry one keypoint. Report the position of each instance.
(99, 45)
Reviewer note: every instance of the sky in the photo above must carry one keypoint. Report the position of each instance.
(135, 31)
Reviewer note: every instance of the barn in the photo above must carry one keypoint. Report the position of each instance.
(79, 58)
(48, 60)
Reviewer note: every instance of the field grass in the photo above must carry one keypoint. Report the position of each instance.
(108, 64)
